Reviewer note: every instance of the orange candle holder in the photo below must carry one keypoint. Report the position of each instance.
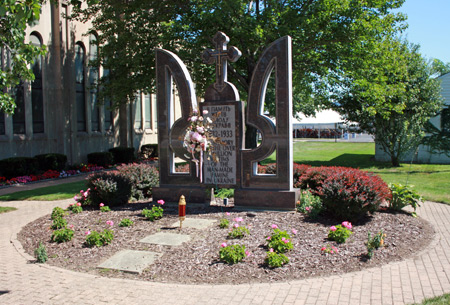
(182, 209)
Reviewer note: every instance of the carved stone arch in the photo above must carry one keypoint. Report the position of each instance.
(170, 69)
(277, 136)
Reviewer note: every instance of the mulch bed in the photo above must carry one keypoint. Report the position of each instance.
(198, 260)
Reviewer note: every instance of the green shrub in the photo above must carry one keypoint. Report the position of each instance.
(18, 166)
(224, 223)
(149, 151)
(99, 239)
(375, 242)
(238, 231)
(75, 208)
(279, 241)
(276, 260)
(232, 254)
(110, 187)
(55, 162)
(309, 204)
(126, 222)
(100, 158)
(59, 223)
(57, 212)
(105, 209)
(339, 234)
(224, 193)
(40, 253)
(153, 214)
(122, 154)
(402, 196)
(62, 235)
(143, 178)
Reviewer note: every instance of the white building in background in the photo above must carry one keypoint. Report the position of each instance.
(441, 121)
(58, 111)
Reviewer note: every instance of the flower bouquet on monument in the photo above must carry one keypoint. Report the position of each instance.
(198, 140)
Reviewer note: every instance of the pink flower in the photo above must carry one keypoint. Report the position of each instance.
(268, 237)
(347, 224)
(286, 241)
(195, 111)
(79, 204)
(200, 129)
(85, 194)
(76, 198)
(81, 191)
(294, 231)
(307, 209)
(205, 112)
(228, 213)
(71, 226)
(283, 238)
(323, 249)
(102, 205)
(274, 226)
(110, 222)
(271, 250)
(247, 253)
(87, 232)
(236, 225)
(304, 192)
(333, 228)
(238, 219)
(335, 249)
(194, 118)
(161, 202)
(223, 245)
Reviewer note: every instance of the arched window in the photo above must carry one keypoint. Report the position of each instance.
(37, 100)
(79, 87)
(93, 82)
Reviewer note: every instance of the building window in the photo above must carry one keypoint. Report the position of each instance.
(148, 111)
(19, 111)
(37, 100)
(445, 119)
(108, 116)
(79, 87)
(138, 112)
(93, 82)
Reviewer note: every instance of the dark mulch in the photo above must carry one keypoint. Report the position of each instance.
(198, 260)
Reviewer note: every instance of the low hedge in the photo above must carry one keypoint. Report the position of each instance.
(110, 188)
(122, 154)
(100, 158)
(18, 166)
(55, 162)
(143, 178)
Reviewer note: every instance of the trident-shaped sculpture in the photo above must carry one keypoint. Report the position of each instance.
(220, 56)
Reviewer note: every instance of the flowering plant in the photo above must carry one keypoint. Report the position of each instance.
(275, 259)
(198, 138)
(309, 204)
(104, 208)
(374, 242)
(341, 232)
(75, 208)
(83, 198)
(280, 241)
(232, 254)
(329, 249)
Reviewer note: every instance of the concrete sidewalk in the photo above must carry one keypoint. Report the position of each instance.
(409, 281)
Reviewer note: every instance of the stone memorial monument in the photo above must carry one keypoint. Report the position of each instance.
(236, 166)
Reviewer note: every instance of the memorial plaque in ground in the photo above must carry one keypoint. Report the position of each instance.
(224, 171)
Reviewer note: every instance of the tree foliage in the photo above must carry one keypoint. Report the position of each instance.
(17, 56)
(329, 36)
(391, 97)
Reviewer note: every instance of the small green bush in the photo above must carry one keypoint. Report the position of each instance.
(110, 187)
(224, 223)
(122, 154)
(40, 253)
(55, 162)
(309, 204)
(126, 222)
(99, 239)
(105, 209)
(143, 178)
(238, 232)
(153, 214)
(59, 223)
(57, 212)
(100, 158)
(232, 254)
(279, 241)
(276, 260)
(18, 166)
(75, 208)
(62, 235)
(375, 242)
(339, 234)
(403, 196)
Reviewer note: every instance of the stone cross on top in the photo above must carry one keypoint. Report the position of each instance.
(220, 56)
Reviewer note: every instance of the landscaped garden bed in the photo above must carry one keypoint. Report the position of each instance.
(197, 261)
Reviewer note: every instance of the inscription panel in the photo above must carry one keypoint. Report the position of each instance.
(224, 171)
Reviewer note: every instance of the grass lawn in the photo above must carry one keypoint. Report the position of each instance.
(440, 300)
(430, 180)
(56, 192)
(6, 209)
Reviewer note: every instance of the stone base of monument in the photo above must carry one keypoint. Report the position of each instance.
(270, 199)
(172, 193)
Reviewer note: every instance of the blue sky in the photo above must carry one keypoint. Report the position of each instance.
(429, 26)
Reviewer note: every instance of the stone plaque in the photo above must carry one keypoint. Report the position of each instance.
(224, 171)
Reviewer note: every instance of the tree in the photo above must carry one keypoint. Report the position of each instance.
(329, 37)
(392, 97)
(15, 15)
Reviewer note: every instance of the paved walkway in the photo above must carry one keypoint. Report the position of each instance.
(22, 282)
